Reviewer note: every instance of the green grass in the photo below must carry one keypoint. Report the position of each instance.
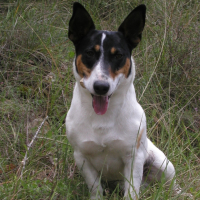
(36, 80)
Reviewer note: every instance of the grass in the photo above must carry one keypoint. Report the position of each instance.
(36, 80)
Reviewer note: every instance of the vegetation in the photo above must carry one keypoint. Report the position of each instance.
(36, 80)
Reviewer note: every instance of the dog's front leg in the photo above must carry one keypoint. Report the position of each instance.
(133, 173)
(90, 175)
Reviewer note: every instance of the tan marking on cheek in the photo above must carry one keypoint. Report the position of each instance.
(97, 47)
(139, 138)
(82, 69)
(124, 70)
(82, 83)
(113, 50)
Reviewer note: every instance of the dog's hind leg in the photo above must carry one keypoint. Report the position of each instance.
(157, 166)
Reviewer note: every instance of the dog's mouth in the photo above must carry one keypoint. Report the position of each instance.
(100, 104)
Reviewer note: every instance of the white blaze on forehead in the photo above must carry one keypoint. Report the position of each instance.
(102, 39)
(98, 68)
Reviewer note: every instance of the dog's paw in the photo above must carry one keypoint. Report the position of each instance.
(132, 197)
(96, 197)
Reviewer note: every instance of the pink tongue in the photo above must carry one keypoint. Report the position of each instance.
(100, 104)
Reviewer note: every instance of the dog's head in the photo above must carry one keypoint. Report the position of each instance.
(103, 58)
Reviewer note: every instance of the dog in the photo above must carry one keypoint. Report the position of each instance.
(105, 124)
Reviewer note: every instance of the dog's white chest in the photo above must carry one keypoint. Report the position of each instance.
(106, 156)
(102, 146)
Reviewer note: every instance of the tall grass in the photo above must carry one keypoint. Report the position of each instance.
(36, 80)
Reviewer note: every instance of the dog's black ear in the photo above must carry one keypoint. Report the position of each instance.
(133, 26)
(80, 23)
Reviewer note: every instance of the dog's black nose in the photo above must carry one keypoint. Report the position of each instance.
(101, 87)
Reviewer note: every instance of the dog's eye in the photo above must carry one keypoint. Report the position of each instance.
(90, 53)
(118, 56)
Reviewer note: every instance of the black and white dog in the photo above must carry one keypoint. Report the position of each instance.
(105, 124)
